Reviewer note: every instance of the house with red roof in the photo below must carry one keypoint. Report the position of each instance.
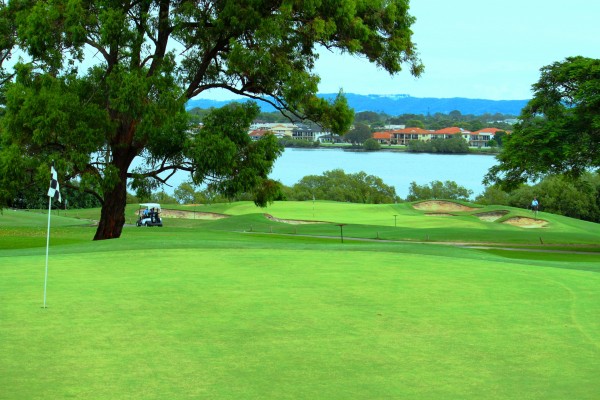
(258, 133)
(383, 137)
(449, 133)
(479, 138)
(405, 135)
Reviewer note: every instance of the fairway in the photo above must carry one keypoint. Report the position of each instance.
(209, 309)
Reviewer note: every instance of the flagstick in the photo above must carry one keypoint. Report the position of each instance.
(47, 245)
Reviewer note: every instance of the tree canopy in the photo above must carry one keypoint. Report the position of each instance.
(448, 190)
(559, 129)
(558, 194)
(359, 134)
(336, 185)
(103, 84)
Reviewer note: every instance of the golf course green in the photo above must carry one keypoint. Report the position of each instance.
(302, 300)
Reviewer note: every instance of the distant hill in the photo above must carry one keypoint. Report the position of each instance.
(403, 104)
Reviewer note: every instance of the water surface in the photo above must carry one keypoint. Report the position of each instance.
(396, 169)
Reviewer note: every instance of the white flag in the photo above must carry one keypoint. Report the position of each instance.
(54, 190)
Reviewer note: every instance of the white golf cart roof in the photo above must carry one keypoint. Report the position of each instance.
(150, 205)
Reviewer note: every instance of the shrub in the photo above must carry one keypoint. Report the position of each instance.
(448, 190)
(336, 185)
(371, 145)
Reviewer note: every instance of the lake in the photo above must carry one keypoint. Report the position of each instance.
(397, 169)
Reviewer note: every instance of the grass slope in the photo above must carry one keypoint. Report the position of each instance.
(210, 309)
(403, 222)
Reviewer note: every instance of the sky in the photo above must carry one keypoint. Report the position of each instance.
(476, 49)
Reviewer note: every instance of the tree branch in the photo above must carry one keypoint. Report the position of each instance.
(100, 49)
(208, 58)
(163, 168)
(164, 31)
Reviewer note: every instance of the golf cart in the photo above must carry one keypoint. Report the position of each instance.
(149, 215)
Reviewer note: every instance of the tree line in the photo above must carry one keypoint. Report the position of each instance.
(360, 135)
(377, 120)
(374, 121)
(576, 198)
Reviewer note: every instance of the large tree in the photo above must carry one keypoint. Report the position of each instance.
(559, 129)
(103, 83)
(359, 133)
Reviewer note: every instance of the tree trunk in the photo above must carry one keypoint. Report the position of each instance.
(112, 215)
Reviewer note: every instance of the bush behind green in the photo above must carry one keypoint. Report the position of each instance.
(575, 198)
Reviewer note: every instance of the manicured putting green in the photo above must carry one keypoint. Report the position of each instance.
(278, 323)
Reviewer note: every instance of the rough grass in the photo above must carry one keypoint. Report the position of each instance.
(210, 309)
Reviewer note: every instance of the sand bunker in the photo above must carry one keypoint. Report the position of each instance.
(292, 221)
(190, 214)
(491, 216)
(439, 205)
(525, 222)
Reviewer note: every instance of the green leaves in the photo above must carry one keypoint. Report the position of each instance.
(448, 190)
(559, 130)
(225, 156)
(48, 119)
(359, 134)
(336, 185)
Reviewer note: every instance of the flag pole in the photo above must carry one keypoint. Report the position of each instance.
(47, 246)
(53, 192)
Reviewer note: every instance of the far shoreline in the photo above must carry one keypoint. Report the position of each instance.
(389, 149)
